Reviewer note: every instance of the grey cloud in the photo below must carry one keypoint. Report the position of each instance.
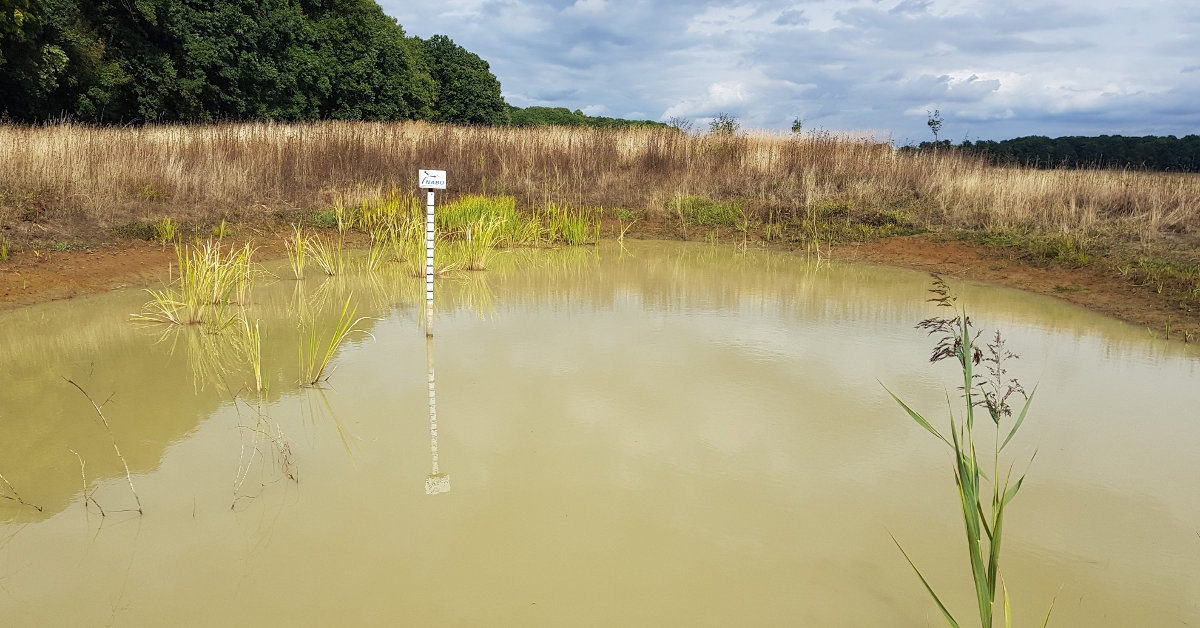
(791, 17)
(1011, 45)
(911, 7)
(879, 67)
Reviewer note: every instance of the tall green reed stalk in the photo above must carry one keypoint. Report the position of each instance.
(983, 509)
(297, 249)
(252, 337)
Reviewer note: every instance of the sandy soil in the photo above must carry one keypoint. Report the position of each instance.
(27, 278)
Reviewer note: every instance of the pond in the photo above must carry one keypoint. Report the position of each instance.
(650, 434)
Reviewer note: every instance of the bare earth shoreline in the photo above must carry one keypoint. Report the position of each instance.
(27, 278)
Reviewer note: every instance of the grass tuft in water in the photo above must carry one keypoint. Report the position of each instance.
(329, 258)
(316, 353)
(297, 249)
(983, 510)
(210, 279)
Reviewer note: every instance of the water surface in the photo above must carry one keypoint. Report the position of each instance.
(655, 434)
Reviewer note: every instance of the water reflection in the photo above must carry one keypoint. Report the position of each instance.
(436, 482)
(661, 416)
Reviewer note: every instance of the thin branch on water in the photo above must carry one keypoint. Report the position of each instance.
(100, 413)
(86, 495)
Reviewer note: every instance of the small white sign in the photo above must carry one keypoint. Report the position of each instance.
(431, 179)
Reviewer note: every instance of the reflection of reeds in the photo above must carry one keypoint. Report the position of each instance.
(315, 354)
(325, 408)
(254, 437)
(209, 356)
(88, 496)
(982, 515)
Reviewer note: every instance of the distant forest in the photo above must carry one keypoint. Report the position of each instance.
(561, 116)
(1170, 153)
(134, 61)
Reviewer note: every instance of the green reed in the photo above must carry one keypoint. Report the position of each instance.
(252, 339)
(381, 246)
(210, 278)
(481, 238)
(315, 353)
(566, 225)
(328, 257)
(297, 249)
(982, 509)
(165, 231)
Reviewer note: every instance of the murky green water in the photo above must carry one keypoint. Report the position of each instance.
(666, 435)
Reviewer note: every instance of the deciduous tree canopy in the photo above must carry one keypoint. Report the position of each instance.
(195, 60)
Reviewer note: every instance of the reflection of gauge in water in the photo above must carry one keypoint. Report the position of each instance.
(436, 482)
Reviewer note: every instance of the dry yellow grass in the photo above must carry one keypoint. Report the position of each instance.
(111, 176)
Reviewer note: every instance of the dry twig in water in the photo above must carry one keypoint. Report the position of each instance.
(108, 428)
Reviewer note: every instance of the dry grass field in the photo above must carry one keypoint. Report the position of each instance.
(69, 185)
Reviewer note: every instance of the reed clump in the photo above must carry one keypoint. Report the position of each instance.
(982, 508)
(316, 352)
(211, 278)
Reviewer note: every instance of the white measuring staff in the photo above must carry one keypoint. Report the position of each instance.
(430, 180)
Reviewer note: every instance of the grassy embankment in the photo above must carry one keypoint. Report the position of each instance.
(70, 186)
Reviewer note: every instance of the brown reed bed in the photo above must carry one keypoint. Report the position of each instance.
(67, 181)
(115, 175)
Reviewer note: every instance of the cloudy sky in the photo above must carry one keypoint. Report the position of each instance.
(994, 68)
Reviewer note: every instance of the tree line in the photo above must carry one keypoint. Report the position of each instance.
(1169, 153)
(561, 116)
(122, 61)
(199, 60)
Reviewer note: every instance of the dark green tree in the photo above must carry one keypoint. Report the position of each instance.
(366, 69)
(468, 92)
(935, 123)
(724, 124)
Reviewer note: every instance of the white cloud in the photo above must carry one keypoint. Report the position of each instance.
(993, 69)
(719, 98)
